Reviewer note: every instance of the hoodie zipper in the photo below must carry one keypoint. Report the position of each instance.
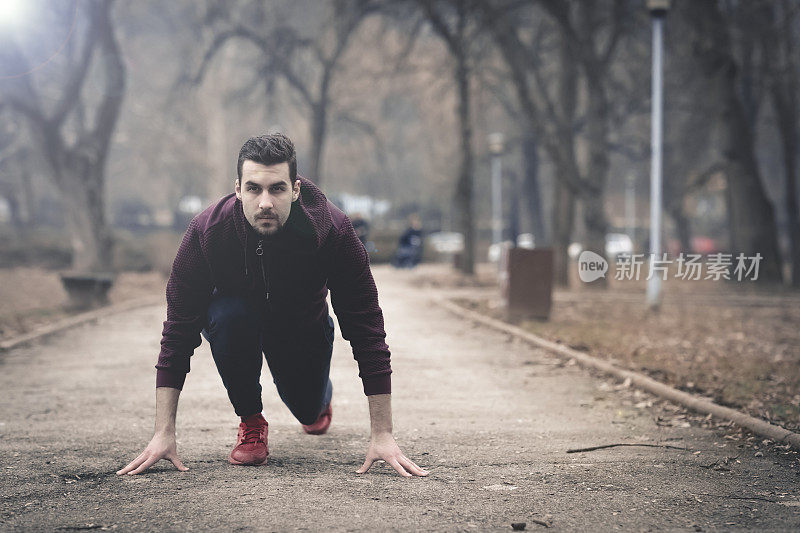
(260, 254)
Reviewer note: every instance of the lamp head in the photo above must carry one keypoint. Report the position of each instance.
(496, 143)
(658, 8)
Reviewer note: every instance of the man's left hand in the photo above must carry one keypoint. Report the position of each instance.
(383, 447)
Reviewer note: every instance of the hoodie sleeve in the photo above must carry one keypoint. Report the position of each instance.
(188, 293)
(355, 302)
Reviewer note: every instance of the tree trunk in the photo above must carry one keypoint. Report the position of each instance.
(750, 213)
(784, 101)
(80, 182)
(682, 225)
(781, 63)
(563, 155)
(216, 152)
(318, 129)
(594, 215)
(25, 199)
(752, 218)
(457, 45)
(595, 220)
(787, 124)
(563, 222)
(464, 185)
(513, 228)
(533, 193)
(92, 243)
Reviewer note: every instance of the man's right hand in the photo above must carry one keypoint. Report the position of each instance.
(161, 446)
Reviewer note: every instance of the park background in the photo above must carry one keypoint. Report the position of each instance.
(121, 120)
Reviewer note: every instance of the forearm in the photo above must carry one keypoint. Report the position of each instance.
(380, 414)
(382, 445)
(162, 445)
(166, 409)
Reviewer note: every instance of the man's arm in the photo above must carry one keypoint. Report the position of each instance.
(355, 302)
(189, 290)
(382, 444)
(163, 444)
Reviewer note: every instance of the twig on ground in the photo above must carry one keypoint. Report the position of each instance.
(593, 448)
(724, 497)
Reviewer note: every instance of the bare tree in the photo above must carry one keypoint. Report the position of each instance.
(492, 76)
(690, 160)
(75, 147)
(308, 65)
(549, 109)
(10, 154)
(780, 54)
(750, 212)
(592, 31)
(449, 20)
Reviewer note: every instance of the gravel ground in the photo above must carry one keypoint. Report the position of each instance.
(490, 417)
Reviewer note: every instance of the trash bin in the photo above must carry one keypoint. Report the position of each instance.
(528, 282)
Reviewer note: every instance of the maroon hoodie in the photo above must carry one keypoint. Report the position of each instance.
(317, 250)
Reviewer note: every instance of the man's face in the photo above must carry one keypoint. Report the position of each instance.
(267, 194)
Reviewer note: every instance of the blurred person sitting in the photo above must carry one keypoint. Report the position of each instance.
(409, 246)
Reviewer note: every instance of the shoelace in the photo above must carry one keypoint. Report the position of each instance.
(251, 433)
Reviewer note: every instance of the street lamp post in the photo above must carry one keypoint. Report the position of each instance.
(496, 147)
(630, 206)
(658, 10)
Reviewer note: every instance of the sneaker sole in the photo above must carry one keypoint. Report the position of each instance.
(233, 461)
(321, 431)
(315, 432)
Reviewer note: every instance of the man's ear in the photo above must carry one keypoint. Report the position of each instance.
(237, 187)
(296, 190)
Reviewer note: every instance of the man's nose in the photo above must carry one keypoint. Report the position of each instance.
(265, 202)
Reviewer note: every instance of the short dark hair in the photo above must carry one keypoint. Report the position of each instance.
(271, 149)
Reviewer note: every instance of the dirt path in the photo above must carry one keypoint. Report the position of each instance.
(491, 419)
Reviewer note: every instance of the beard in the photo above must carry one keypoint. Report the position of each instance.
(268, 233)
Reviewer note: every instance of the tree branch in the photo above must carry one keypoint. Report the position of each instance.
(74, 85)
(440, 26)
(106, 118)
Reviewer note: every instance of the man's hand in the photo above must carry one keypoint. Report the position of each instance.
(161, 446)
(383, 447)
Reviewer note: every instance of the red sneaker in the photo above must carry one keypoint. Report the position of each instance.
(322, 423)
(251, 443)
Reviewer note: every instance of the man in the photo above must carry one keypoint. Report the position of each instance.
(252, 273)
